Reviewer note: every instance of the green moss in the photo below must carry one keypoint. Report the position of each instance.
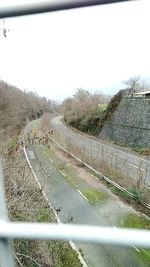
(70, 181)
(63, 255)
(135, 221)
(44, 215)
(13, 143)
(70, 175)
(50, 153)
(142, 151)
(94, 195)
(144, 254)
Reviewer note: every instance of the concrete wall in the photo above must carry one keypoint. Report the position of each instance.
(97, 154)
(130, 123)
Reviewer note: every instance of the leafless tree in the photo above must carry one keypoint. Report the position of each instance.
(133, 85)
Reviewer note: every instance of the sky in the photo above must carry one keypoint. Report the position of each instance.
(94, 48)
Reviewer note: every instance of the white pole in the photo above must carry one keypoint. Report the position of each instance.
(81, 233)
(6, 258)
(17, 8)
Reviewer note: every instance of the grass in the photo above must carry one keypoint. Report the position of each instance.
(70, 175)
(60, 252)
(70, 181)
(44, 215)
(32, 127)
(32, 207)
(94, 195)
(50, 153)
(135, 221)
(138, 222)
(136, 193)
(142, 151)
(65, 255)
(13, 143)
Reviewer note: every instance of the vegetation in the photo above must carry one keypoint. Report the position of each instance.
(136, 221)
(26, 203)
(13, 143)
(24, 198)
(94, 195)
(142, 151)
(137, 195)
(88, 112)
(16, 107)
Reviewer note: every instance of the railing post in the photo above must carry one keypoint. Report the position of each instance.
(6, 257)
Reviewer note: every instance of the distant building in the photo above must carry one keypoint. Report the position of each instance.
(142, 94)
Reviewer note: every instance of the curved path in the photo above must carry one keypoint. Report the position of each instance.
(116, 160)
(67, 197)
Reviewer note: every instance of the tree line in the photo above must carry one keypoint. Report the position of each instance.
(17, 106)
(89, 111)
(84, 109)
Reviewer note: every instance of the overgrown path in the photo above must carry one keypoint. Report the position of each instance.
(79, 198)
(125, 168)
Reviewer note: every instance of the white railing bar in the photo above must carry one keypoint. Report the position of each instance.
(81, 233)
(17, 8)
(6, 258)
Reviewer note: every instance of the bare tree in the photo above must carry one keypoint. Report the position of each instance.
(82, 103)
(133, 85)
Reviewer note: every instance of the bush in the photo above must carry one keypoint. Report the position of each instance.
(94, 119)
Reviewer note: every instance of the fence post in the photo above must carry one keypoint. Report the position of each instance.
(6, 257)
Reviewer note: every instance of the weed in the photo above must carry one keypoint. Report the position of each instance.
(142, 151)
(13, 143)
(135, 221)
(94, 195)
(137, 195)
(44, 215)
(63, 255)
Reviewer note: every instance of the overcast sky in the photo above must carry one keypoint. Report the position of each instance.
(94, 48)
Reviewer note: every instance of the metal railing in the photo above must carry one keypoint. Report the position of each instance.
(44, 231)
(31, 7)
(91, 234)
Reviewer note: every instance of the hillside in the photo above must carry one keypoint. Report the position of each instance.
(91, 112)
(86, 111)
(16, 108)
(25, 201)
(124, 120)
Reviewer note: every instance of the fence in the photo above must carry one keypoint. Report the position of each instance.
(40, 231)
